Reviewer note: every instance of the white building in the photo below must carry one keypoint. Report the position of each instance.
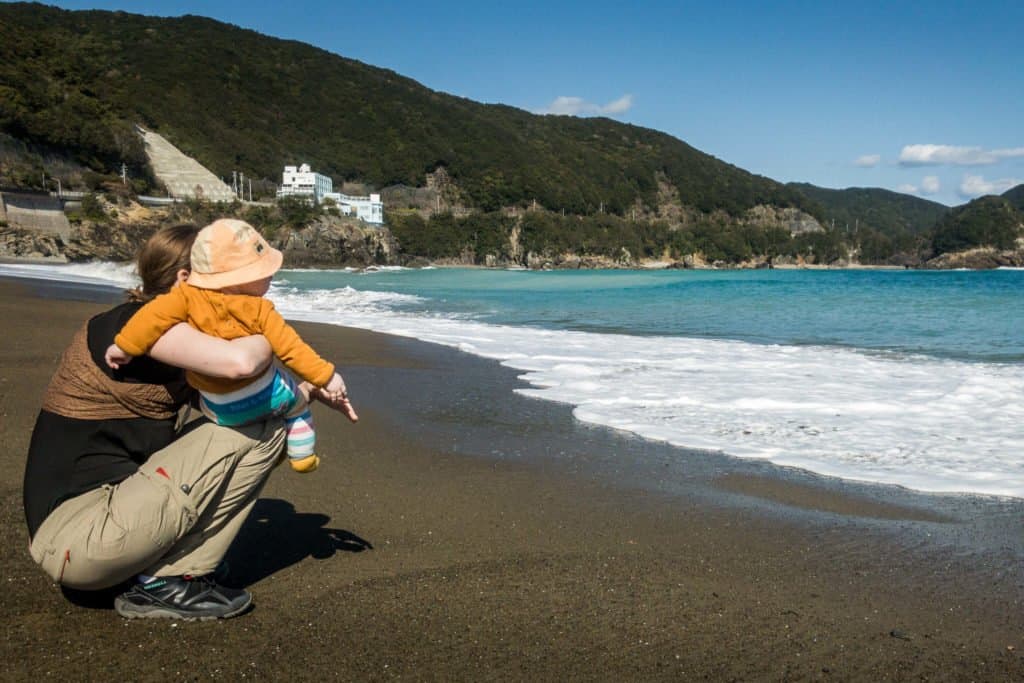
(367, 209)
(304, 182)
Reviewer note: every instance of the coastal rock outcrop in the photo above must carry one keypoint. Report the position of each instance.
(329, 241)
(335, 242)
(982, 258)
(18, 243)
(115, 241)
(87, 241)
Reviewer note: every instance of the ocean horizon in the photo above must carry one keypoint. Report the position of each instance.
(909, 378)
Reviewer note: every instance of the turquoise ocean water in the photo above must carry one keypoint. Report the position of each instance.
(969, 315)
(902, 377)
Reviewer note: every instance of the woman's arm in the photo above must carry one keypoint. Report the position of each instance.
(186, 347)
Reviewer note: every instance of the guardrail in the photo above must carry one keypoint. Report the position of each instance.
(157, 201)
(69, 194)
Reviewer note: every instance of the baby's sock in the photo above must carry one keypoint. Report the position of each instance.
(301, 441)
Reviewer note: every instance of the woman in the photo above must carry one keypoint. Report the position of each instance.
(114, 491)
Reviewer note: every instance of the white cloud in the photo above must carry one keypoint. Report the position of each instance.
(936, 155)
(577, 106)
(976, 185)
(868, 160)
(619, 106)
(930, 184)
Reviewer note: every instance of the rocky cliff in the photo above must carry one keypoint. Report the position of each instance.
(328, 241)
(797, 222)
(331, 242)
(982, 258)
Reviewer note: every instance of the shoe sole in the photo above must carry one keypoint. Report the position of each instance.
(130, 611)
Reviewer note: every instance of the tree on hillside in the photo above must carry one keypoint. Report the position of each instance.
(235, 99)
(985, 222)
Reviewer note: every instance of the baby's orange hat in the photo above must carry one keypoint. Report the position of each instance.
(230, 252)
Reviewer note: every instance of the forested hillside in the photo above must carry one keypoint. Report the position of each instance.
(1016, 196)
(74, 85)
(986, 221)
(890, 213)
(236, 99)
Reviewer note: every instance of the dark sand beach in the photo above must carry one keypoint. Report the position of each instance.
(462, 532)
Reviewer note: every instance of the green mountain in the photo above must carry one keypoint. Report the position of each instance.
(236, 99)
(988, 221)
(890, 213)
(1015, 196)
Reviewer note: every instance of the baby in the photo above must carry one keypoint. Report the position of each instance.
(232, 266)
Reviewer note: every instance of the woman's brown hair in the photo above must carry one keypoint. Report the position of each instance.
(161, 257)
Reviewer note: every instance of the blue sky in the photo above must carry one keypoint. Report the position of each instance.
(918, 97)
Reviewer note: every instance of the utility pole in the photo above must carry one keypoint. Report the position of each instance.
(124, 174)
(250, 189)
(234, 182)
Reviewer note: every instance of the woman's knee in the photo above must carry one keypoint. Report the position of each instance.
(108, 535)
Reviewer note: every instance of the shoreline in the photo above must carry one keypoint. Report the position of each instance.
(640, 266)
(867, 487)
(509, 541)
(846, 476)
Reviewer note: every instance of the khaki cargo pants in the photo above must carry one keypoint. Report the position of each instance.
(177, 515)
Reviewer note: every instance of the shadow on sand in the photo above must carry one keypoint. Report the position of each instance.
(276, 536)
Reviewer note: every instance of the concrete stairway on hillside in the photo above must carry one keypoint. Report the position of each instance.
(182, 175)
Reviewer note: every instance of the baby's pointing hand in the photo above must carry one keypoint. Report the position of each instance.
(345, 406)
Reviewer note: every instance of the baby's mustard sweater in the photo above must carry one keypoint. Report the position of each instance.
(227, 316)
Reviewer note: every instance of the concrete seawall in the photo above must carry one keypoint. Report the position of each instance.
(35, 212)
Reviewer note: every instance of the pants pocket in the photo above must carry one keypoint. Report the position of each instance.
(65, 544)
(146, 506)
(107, 535)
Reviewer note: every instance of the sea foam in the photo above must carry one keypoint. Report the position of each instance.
(923, 422)
(94, 273)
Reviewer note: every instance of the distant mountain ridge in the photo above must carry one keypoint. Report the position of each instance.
(888, 212)
(995, 221)
(1016, 196)
(76, 83)
(233, 98)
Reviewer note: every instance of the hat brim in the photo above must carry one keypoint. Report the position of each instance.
(268, 264)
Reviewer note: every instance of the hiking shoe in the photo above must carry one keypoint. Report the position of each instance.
(221, 572)
(197, 598)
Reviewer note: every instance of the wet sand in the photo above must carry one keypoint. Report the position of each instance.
(461, 532)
